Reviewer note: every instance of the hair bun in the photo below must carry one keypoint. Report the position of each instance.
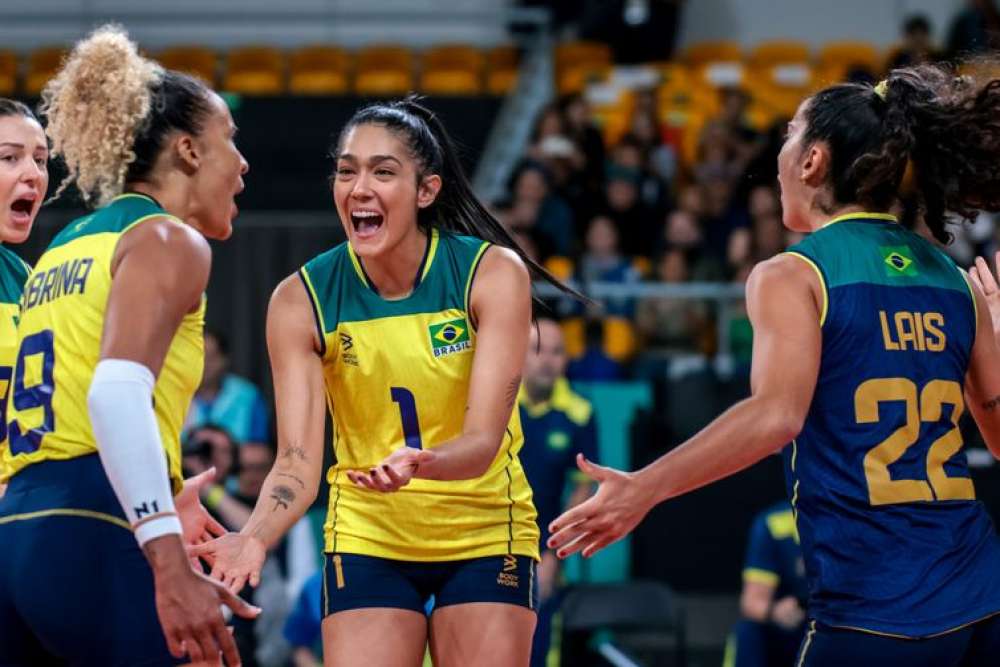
(95, 105)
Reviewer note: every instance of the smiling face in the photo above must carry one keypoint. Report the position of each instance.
(378, 189)
(24, 175)
(220, 170)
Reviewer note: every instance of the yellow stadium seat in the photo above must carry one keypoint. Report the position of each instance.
(501, 69)
(453, 69)
(571, 54)
(777, 51)
(560, 267)
(575, 79)
(318, 70)
(574, 336)
(781, 87)
(42, 66)
(700, 53)
(619, 338)
(842, 55)
(8, 72)
(384, 70)
(717, 75)
(197, 61)
(255, 70)
(642, 266)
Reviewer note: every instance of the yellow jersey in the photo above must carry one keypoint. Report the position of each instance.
(13, 274)
(397, 372)
(59, 339)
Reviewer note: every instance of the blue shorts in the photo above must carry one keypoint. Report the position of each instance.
(75, 588)
(353, 581)
(976, 645)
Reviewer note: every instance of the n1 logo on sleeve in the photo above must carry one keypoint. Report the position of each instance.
(449, 337)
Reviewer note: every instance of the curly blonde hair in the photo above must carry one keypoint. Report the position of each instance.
(95, 106)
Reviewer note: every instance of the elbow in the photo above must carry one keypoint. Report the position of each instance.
(486, 447)
(783, 424)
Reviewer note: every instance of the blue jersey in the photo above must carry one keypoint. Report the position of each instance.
(774, 557)
(893, 538)
(554, 433)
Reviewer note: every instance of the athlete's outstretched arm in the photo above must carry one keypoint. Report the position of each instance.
(982, 382)
(292, 484)
(784, 301)
(160, 270)
(500, 305)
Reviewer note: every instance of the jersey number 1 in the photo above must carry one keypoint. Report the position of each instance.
(408, 413)
(882, 489)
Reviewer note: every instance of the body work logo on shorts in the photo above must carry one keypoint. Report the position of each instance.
(508, 576)
(449, 337)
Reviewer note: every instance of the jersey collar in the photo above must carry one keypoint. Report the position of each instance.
(862, 215)
(425, 264)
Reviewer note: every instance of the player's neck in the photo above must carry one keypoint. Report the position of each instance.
(173, 200)
(537, 395)
(393, 273)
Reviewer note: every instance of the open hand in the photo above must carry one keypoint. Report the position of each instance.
(606, 517)
(235, 559)
(197, 524)
(394, 472)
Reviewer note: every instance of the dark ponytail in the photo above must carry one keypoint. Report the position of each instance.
(456, 208)
(945, 128)
(9, 107)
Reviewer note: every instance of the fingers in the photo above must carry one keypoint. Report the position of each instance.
(592, 470)
(206, 638)
(974, 278)
(240, 607)
(225, 641)
(598, 544)
(986, 279)
(255, 578)
(213, 527)
(573, 516)
(203, 478)
(578, 543)
(175, 644)
(193, 647)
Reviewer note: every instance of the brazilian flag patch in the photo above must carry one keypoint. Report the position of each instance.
(898, 261)
(449, 337)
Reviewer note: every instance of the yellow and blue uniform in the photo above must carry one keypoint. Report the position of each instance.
(774, 558)
(397, 373)
(13, 274)
(59, 499)
(555, 431)
(894, 540)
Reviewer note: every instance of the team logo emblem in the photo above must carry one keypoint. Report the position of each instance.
(898, 261)
(508, 576)
(449, 337)
(346, 345)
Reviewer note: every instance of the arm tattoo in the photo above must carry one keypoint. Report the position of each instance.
(512, 390)
(294, 452)
(285, 474)
(283, 496)
(992, 404)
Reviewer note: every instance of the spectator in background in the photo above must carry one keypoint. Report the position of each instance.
(558, 424)
(917, 47)
(602, 261)
(974, 30)
(594, 365)
(774, 588)
(532, 191)
(660, 158)
(682, 231)
(581, 129)
(672, 330)
(206, 446)
(630, 153)
(226, 399)
(742, 140)
(636, 223)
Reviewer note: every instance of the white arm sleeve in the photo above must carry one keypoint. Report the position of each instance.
(120, 402)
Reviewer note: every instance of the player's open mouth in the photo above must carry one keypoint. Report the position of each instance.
(366, 223)
(21, 209)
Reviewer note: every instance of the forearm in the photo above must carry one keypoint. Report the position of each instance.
(740, 437)
(466, 457)
(288, 491)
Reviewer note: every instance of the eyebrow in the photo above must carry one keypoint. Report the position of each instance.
(14, 144)
(375, 159)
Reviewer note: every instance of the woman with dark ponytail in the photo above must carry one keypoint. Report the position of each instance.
(414, 332)
(869, 344)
